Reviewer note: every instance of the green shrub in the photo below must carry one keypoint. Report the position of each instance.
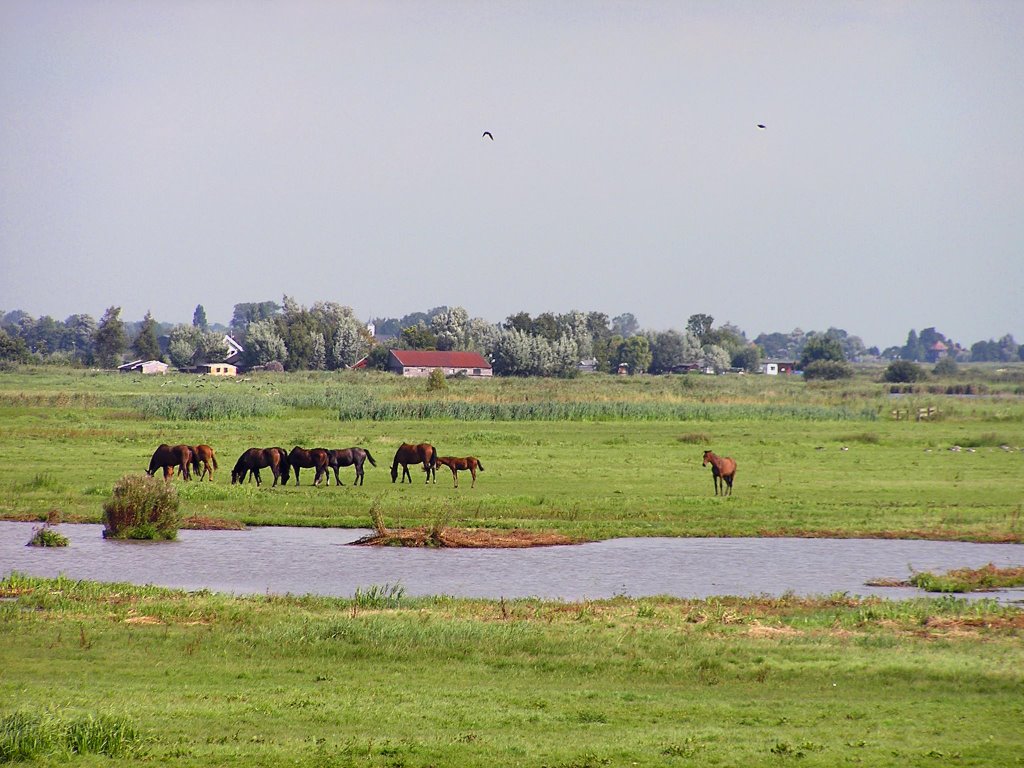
(45, 536)
(828, 370)
(901, 371)
(142, 507)
(436, 382)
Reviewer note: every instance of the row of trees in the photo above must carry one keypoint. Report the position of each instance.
(329, 336)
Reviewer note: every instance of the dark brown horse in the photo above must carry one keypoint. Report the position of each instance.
(455, 464)
(347, 457)
(721, 467)
(407, 454)
(167, 457)
(203, 454)
(313, 457)
(255, 459)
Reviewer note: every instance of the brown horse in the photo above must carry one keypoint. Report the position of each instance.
(313, 457)
(167, 457)
(455, 464)
(203, 454)
(346, 457)
(721, 467)
(414, 454)
(255, 459)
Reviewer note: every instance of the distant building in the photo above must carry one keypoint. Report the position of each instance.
(217, 369)
(234, 351)
(778, 367)
(412, 362)
(936, 352)
(144, 366)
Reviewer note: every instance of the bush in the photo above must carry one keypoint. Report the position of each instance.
(45, 536)
(142, 507)
(946, 367)
(828, 370)
(902, 371)
(436, 381)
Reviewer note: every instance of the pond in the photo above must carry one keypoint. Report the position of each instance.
(318, 561)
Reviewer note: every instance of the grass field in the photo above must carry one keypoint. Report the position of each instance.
(593, 457)
(199, 679)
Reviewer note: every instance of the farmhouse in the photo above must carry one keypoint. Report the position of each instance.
(143, 366)
(217, 369)
(412, 362)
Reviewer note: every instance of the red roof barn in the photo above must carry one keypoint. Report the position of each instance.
(413, 362)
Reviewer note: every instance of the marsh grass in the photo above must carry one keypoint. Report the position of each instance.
(142, 507)
(35, 735)
(986, 578)
(45, 536)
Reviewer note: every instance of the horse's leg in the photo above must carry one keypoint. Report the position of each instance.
(359, 474)
(256, 474)
(472, 471)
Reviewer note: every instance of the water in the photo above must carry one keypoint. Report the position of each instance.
(318, 561)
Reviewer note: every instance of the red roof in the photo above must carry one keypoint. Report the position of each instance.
(414, 358)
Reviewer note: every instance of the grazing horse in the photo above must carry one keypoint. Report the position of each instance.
(414, 454)
(203, 454)
(167, 457)
(255, 459)
(313, 457)
(455, 464)
(721, 467)
(346, 457)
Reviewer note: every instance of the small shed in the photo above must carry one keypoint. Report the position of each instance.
(414, 362)
(217, 369)
(144, 366)
(778, 367)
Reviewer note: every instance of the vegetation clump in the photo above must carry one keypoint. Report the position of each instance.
(29, 736)
(45, 536)
(904, 371)
(142, 507)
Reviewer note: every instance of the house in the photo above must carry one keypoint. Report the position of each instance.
(937, 351)
(234, 350)
(588, 365)
(217, 369)
(414, 362)
(778, 367)
(143, 366)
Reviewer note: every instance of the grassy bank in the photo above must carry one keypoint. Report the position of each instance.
(201, 679)
(593, 457)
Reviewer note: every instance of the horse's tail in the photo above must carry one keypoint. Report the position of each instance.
(480, 465)
(369, 458)
(213, 458)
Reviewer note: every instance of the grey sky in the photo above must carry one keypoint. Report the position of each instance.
(157, 155)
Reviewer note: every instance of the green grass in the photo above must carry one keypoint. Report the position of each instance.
(593, 457)
(202, 679)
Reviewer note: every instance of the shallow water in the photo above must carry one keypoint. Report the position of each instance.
(317, 561)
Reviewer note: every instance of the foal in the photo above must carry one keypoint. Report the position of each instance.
(455, 464)
(721, 467)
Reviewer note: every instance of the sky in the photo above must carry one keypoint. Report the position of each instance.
(157, 155)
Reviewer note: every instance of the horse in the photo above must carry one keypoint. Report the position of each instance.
(721, 467)
(346, 457)
(414, 454)
(313, 457)
(455, 464)
(168, 457)
(203, 454)
(255, 459)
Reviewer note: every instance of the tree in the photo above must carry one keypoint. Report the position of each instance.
(667, 351)
(635, 352)
(451, 327)
(827, 369)
(146, 345)
(12, 348)
(625, 325)
(81, 332)
(199, 318)
(419, 337)
(946, 367)
(716, 358)
(912, 350)
(111, 340)
(248, 313)
(700, 325)
(263, 344)
(748, 358)
(821, 347)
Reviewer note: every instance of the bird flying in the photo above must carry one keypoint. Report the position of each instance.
(760, 126)
(488, 135)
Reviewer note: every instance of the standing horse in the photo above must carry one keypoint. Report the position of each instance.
(203, 454)
(168, 457)
(721, 467)
(455, 464)
(255, 459)
(414, 454)
(346, 457)
(313, 457)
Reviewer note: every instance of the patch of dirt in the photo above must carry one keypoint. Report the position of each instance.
(200, 523)
(464, 538)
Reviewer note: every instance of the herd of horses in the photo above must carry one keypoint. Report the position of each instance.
(201, 460)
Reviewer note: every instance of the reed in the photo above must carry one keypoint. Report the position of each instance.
(142, 507)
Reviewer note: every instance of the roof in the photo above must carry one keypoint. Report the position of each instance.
(414, 358)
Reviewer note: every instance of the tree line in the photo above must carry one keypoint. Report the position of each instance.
(329, 336)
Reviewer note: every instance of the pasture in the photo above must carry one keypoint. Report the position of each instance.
(593, 457)
(380, 680)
